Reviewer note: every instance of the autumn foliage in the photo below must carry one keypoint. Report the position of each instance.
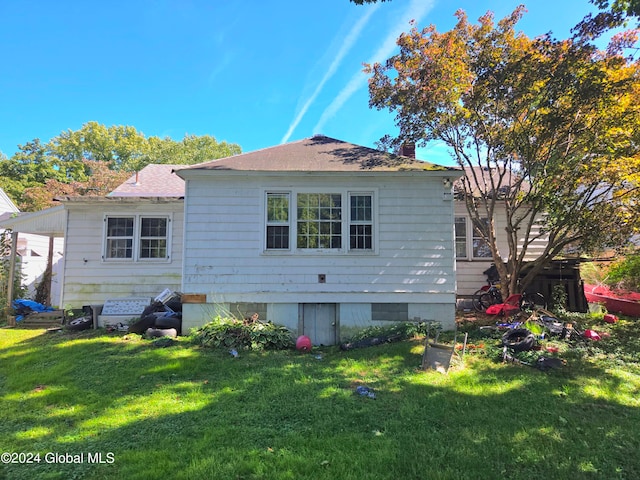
(547, 130)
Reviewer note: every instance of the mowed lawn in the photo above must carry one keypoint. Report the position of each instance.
(108, 405)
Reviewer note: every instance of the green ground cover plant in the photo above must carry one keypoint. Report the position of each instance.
(184, 411)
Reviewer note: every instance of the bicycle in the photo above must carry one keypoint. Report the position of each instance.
(490, 295)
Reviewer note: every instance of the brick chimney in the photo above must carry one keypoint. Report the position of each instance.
(408, 149)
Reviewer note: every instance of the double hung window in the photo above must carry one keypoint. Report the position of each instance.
(136, 237)
(474, 247)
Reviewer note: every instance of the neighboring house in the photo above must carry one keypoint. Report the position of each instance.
(32, 253)
(321, 236)
(473, 255)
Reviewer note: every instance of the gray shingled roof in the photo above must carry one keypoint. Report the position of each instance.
(316, 154)
(152, 181)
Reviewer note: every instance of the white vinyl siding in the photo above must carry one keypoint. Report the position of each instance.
(226, 257)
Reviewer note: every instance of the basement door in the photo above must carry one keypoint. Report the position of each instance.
(320, 322)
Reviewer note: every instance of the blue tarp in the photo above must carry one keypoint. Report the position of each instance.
(24, 307)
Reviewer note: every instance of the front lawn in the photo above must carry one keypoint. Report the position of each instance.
(187, 412)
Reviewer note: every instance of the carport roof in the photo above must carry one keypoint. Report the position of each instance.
(50, 222)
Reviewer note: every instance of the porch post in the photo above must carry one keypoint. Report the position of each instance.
(11, 278)
(48, 273)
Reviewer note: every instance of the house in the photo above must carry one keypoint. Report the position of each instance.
(320, 235)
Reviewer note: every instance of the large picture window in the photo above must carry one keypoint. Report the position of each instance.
(320, 221)
(136, 237)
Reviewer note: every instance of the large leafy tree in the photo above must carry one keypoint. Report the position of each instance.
(94, 160)
(612, 14)
(548, 131)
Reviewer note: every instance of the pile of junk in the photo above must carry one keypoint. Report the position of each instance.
(162, 318)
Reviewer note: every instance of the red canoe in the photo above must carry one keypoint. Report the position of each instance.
(626, 303)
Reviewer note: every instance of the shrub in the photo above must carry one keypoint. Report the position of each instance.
(625, 273)
(400, 331)
(236, 334)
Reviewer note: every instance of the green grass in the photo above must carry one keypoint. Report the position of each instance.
(184, 412)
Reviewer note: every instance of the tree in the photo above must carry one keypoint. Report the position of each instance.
(546, 129)
(100, 180)
(94, 160)
(190, 150)
(118, 146)
(613, 14)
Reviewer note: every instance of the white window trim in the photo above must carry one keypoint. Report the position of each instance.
(345, 194)
(266, 219)
(137, 225)
(466, 237)
(469, 242)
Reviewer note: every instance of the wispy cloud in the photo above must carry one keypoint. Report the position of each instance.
(416, 11)
(347, 44)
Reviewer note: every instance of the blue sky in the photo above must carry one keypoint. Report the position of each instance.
(253, 72)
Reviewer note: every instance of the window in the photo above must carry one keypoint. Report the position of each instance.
(120, 237)
(461, 237)
(361, 222)
(136, 238)
(474, 247)
(480, 246)
(319, 220)
(316, 221)
(153, 238)
(278, 221)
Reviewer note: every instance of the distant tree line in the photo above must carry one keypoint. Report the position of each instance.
(94, 160)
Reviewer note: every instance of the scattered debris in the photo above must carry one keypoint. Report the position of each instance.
(365, 392)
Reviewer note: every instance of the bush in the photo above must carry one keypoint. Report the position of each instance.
(625, 273)
(236, 334)
(400, 331)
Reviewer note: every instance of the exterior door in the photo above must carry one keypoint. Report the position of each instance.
(320, 323)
